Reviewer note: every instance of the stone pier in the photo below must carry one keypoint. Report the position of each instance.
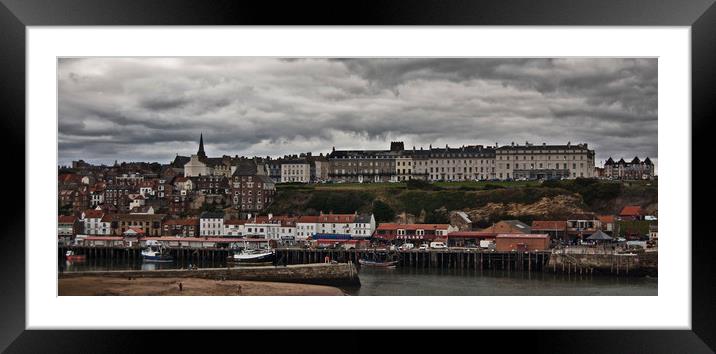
(341, 274)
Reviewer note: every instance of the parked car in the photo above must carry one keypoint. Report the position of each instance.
(406, 246)
(423, 247)
(439, 245)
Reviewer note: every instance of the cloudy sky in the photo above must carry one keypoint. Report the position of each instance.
(150, 109)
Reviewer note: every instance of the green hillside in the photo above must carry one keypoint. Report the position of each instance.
(433, 201)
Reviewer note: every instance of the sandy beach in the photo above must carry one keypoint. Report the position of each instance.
(110, 286)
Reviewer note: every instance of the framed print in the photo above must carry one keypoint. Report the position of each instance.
(447, 167)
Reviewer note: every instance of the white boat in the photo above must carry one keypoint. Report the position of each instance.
(155, 252)
(254, 256)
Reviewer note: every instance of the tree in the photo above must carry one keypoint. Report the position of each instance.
(437, 216)
(383, 212)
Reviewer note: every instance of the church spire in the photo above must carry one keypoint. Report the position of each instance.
(201, 152)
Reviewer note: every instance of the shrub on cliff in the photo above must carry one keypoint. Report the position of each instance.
(339, 202)
(420, 184)
(383, 212)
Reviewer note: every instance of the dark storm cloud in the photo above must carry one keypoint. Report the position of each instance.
(159, 104)
(153, 108)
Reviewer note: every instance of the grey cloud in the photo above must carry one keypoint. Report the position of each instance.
(154, 108)
(160, 104)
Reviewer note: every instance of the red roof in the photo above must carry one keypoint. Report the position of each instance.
(549, 225)
(308, 219)
(66, 219)
(522, 236)
(93, 214)
(631, 210)
(606, 219)
(136, 229)
(340, 241)
(413, 226)
(280, 219)
(471, 234)
(69, 177)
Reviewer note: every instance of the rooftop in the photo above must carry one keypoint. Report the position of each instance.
(413, 226)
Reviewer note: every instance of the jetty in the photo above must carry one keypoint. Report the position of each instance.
(630, 264)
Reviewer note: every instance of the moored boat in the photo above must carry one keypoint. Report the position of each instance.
(253, 256)
(71, 256)
(368, 263)
(155, 252)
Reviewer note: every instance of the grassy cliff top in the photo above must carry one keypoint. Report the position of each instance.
(432, 202)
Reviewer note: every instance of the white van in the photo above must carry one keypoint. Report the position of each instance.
(486, 243)
(438, 245)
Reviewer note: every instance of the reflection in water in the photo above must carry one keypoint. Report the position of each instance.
(419, 282)
(149, 266)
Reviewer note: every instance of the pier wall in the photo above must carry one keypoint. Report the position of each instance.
(636, 264)
(342, 274)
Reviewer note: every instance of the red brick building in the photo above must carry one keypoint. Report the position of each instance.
(426, 232)
(521, 242)
(251, 189)
(151, 224)
(557, 229)
(469, 238)
(181, 227)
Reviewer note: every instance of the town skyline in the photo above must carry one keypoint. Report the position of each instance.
(326, 154)
(152, 109)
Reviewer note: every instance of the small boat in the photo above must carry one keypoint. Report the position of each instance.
(367, 263)
(154, 252)
(71, 256)
(253, 256)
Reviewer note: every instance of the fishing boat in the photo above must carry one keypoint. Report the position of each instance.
(71, 256)
(368, 263)
(155, 252)
(253, 256)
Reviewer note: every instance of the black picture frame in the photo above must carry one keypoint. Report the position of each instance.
(15, 15)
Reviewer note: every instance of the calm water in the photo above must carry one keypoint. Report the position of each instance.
(421, 282)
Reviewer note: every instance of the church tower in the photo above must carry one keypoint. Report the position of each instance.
(201, 152)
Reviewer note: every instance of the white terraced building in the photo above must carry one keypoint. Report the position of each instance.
(211, 224)
(295, 171)
(544, 161)
(463, 163)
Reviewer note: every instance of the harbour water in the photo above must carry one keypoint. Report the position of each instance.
(446, 282)
(442, 282)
